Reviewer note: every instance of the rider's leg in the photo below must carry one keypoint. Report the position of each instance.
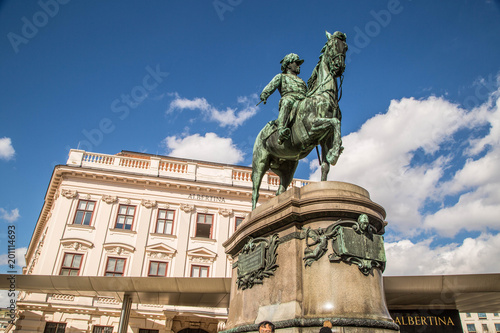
(283, 130)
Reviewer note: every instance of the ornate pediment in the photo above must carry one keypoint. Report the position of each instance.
(118, 248)
(160, 251)
(201, 255)
(77, 244)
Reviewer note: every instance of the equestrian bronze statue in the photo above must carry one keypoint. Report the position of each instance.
(309, 116)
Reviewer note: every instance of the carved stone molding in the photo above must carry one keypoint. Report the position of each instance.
(69, 194)
(187, 208)
(225, 212)
(109, 199)
(87, 196)
(202, 260)
(160, 255)
(164, 206)
(201, 255)
(148, 203)
(126, 201)
(76, 246)
(107, 300)
(38, 252)
(120, 249)
(62, 297)
(221, 325)
(203, 210)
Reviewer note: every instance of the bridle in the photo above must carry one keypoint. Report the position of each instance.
(333, 73)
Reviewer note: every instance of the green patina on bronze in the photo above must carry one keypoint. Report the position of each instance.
(256, 261)
(352, 242)
(309, 116)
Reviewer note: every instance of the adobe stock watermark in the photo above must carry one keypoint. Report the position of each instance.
(373, 28)
(30, 27)
(483, 89)
(223, 6)
(121, 107)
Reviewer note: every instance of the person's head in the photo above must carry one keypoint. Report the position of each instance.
(327, 323)
(266, 327)
(291, 61)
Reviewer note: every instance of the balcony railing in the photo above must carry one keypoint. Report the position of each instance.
(170, 168)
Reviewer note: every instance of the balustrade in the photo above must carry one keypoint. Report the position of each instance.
(165, 168)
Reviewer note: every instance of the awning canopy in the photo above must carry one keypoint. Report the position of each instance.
(203, 292)
(466, 293)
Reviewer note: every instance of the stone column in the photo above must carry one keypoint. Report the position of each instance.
(316, 253)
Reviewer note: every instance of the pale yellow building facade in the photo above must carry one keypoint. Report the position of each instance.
(136, 215)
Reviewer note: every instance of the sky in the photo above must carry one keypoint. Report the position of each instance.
(420, 104)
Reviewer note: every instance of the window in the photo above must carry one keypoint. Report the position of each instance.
(143, 330)
(199, 271)
(497, 327)
(165, 222)
(481, 315)
(71, 264)
(84, 212)
(54, 327)
(204, 225)
(125, 217)
(467, 314)
(238, 221)
(495, 314)
(115, 267)
(471, 328)
(157, 268)
(485, 327)
(102, 329)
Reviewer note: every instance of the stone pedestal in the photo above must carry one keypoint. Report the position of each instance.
(296, 297)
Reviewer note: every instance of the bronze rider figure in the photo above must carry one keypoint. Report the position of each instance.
(292, 89)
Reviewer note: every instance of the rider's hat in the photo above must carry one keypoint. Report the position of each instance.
(288, 59)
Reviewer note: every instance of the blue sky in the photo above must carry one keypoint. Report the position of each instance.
(421, 119)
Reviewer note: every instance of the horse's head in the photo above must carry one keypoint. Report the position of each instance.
(334, 52)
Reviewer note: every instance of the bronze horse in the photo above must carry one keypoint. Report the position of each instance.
(316, 121)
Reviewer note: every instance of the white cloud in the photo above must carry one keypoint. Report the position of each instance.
(20, 262)
(225, 118)
(6, 150)
(473, 256)
(401, 158)
(11, 216)
(207, 148)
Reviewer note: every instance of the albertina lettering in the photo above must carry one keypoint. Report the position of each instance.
(203, 197)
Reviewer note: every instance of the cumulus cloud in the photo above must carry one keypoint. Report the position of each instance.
(472, 256)
(403, 156)
(225, 118)
(20, 252)
(207, 148)
(11, 216)
(6, 150)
